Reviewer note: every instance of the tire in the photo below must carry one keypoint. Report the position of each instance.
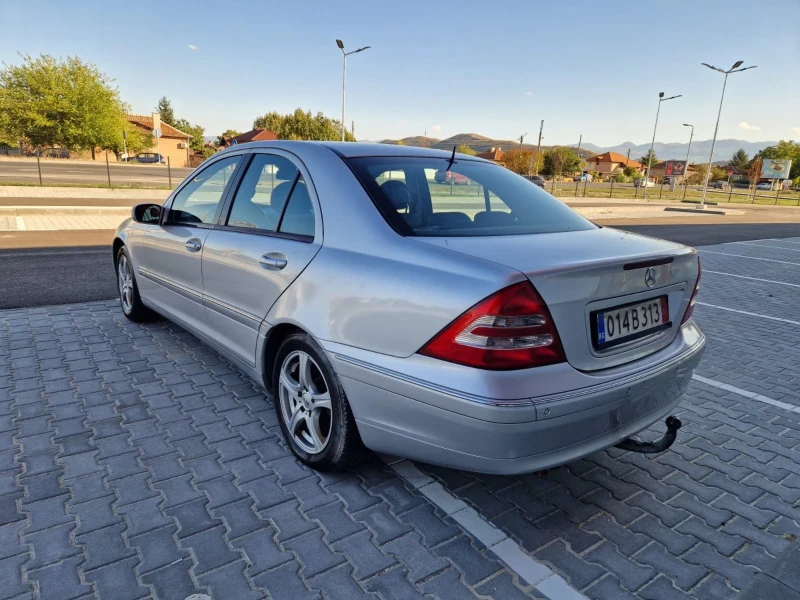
(325, 439)
(129, 299)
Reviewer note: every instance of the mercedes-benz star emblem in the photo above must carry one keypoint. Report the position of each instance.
(650, 277)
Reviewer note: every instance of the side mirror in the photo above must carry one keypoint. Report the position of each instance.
(146, 213)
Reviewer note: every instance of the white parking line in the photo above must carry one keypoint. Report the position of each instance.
(507, 550)
(763, 246)
(746, 394)
(751, 314)
(784, 262)
(751, 278)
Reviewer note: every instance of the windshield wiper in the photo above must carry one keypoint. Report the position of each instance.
(452, 159)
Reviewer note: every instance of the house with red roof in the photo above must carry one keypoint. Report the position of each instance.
(608, 163)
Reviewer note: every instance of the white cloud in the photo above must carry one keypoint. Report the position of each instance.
(748, 127)
(436, 128)
(191, 47)
(796, 130)
(529, 93)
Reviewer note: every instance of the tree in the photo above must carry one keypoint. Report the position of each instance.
(164, 107)
(754, 172)
(196, 131)
(56, 102)
(228, 133)
(646, 157)
(464, 149)
(521, 162)
(301, 125)
(718, 174)
(560, 160)
(739, 161)
(399, 143)
(630, 171)
(699, 175)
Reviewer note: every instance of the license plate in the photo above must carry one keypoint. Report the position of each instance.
(629, 322)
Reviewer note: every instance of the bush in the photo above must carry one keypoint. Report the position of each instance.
(619, 178)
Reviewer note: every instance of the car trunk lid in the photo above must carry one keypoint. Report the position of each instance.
(580, 274)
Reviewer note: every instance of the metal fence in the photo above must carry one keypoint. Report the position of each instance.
(693, 194)
(104, 172)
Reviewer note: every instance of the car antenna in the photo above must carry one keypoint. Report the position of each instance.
(452, 159)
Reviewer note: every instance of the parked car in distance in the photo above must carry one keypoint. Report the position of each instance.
(763, 186)
(719, 185)
(640, 182)
(583, 177)
(536, 179)
(450, 177)
(504, 333)
(150, 157)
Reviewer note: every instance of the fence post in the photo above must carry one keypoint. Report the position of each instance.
(661, 190)
(577, 185)
(169, 173)
(39, 167)
(108, 172)
(778, 193)
(730, 193)
(611, 193)
(585, 183)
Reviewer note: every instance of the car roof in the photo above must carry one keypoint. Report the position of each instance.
(358, 149)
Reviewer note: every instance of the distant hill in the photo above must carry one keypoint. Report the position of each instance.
(479, 143)
(723, 150)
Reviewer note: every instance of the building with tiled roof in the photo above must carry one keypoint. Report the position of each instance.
(495, 154)
(173, 143)
(609, 163)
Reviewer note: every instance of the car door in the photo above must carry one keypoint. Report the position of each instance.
(269, 232)
(168, 265)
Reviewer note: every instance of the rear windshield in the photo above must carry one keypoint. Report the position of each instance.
(430, 197)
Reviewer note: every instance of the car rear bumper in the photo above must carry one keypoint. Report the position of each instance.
(411, 419)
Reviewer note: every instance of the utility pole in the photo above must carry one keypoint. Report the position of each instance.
(522, 137)
(353, 129)
(580, 141)
(539, 146)
(628, 160)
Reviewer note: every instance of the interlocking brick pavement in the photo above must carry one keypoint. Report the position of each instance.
(135, 462)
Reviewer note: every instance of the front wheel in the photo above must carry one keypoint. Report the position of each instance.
(312, 409)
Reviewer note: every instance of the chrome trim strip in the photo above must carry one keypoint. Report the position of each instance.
(175, 287)
(244, 317)
(587, 391)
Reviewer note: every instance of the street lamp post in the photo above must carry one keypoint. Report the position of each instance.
(734, 69)
(686, 167)
(653, 143)
(344, 75)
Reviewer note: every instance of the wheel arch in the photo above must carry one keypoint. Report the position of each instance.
(275, 337)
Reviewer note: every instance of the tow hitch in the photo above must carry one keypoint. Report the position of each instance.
(672, 423)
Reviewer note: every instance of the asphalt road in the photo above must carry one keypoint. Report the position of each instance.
(56, 171)
(77, 267)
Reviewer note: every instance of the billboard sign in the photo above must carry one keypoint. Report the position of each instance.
(674, 168)
(776, 168)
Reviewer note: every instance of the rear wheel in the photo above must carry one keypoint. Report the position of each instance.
(313, 411)
(129, 298)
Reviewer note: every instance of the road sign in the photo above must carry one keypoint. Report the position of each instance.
(730, 172)
(582, 164)
(233, 142)
(124, 135)
(156, 133)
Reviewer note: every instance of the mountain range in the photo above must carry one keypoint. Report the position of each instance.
(723, 150)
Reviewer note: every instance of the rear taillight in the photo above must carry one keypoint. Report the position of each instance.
(511, 329)
(693, 299)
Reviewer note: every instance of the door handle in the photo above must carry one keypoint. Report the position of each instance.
(193, 245)
(273, 261)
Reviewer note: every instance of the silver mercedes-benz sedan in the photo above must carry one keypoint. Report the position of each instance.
(484, 326)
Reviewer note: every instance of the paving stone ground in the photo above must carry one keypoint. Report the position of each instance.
(135, 462)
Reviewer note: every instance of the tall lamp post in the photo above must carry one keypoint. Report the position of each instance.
(653, 143)
(686, 167)
(734, 69)
(344, 75)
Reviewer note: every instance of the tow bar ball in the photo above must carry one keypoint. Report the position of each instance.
(672, 423)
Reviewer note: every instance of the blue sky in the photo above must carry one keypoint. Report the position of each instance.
(449, 67)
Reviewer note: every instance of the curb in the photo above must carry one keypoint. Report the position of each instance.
(21, 211)
(696, 211)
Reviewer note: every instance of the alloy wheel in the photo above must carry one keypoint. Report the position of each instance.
(125, 283)
(305, 402)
